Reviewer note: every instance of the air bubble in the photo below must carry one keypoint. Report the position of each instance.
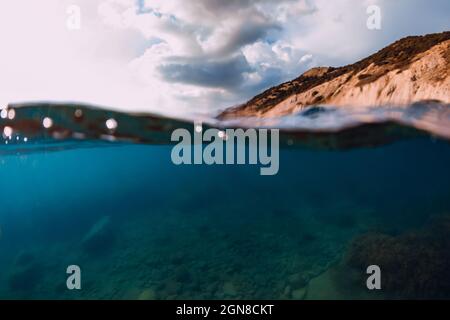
(11, 114)
(47, 122)
(7, 131)
(78, 113)
(111, 124)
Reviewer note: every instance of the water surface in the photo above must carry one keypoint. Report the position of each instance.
(370, 190)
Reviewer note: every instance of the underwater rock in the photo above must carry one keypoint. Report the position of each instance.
(325, 287)
(147, 294)
(183, 275)
(342, 220)
(100, 237)
(300, 294)
(229, 289)
(178, 258)
(297, 288)
(286, 293)
(170, 288)
(414, 265)
(297, 280)
(26, 279)
(307, 238)
(24, 259)
(345, 221)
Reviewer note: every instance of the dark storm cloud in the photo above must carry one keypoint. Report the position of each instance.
(249, 32)
(227, 73)
(227, 6)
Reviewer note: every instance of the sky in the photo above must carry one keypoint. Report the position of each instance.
(188, 57)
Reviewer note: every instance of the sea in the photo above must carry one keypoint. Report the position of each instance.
(95, 189)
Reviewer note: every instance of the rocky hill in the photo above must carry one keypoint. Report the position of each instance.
(410, 70)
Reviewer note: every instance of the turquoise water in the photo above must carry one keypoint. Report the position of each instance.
(203, 232)
(140, 227)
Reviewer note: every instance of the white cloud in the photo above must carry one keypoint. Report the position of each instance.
(175, 56)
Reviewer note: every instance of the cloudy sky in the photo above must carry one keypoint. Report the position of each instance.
(178, 56)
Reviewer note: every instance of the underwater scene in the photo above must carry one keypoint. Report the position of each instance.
(97, 189)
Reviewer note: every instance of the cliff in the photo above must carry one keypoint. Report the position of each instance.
(410, 70)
